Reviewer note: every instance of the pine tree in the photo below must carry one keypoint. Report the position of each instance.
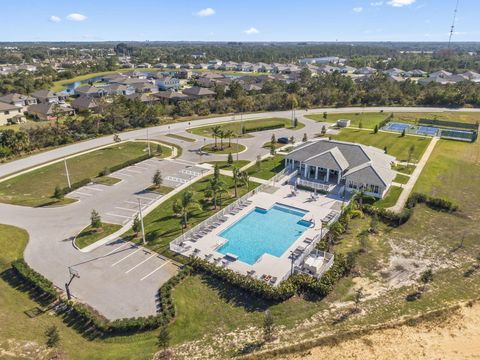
(268, 327)
(375, 130)
(305, 137)
(53, 337)
(163, 338)
(324, 130)
(95, 220)
(230, 159)
(157, 178)
(137, 225)
(58, 193)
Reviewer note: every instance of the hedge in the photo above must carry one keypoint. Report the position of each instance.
(263, 128)
(448, 123)
(431, 202)
(389, 217)
(76, 186)
(34, 279)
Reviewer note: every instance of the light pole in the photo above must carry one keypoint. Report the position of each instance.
(291, 266)
(148, 142)
(141, 221)
(238, 149)
(66, 171)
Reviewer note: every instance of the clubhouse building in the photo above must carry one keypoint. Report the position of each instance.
(329, 165)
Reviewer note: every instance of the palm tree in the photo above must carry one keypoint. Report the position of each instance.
(229, 134)
(245, 179)
(221, 135)
(215, 189)
(186, 205)
(236, 178)
(215, 133)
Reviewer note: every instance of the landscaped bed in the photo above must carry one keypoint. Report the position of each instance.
(88, 236)
(368, 120)
(224, 165)
(233, 148)
(267, 168)
(390, 198)
(180, 137)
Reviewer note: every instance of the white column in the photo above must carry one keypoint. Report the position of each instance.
(316, 172)
(328, 175)
(305, 171)
(338, 176)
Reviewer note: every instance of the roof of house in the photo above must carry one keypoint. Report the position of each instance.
(10, 98)
(84, 102)
(142, 97)
(173, 95)
(87, 89)
(44, 94)
(7, 107)
(48, 108)
(341, 155)
(198, 91)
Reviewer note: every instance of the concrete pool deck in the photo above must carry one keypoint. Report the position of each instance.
(277, 267)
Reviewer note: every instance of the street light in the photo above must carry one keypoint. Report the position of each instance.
(148, 142)
(141, 221)
(66, 171)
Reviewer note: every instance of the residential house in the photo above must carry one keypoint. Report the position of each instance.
(343, 165)
(167, 82)
(367, 70)
(143, 97)
(145, 87)
(84, 103)
(394, 72)
(49, 111)
(196, 92)
(415, 73)
(171, 96)
(215, 62)
(347, 69)
(173, 66)
(201, 66)
(183, 74)
(160, 66)
(10, 114)
(119, 89)
(50, 97)
(20, 100)
(90, 91)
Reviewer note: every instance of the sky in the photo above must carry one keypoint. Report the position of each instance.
(245, 20)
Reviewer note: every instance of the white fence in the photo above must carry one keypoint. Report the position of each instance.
(315, 185)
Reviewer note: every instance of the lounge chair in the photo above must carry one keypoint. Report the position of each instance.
(273, 280)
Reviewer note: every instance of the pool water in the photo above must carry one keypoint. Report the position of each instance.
(263, 231)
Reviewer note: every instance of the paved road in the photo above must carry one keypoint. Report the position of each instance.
(22, 164)
(117, 279)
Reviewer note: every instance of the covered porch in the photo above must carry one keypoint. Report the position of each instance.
(315, 173)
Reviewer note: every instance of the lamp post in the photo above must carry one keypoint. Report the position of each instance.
(141, 221)
(238, 149)
(148, 142)
(291, 267)
(67, 173)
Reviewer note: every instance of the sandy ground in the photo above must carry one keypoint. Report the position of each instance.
(458, 337)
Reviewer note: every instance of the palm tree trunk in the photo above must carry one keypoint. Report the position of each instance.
(235, 182)
(185, 219)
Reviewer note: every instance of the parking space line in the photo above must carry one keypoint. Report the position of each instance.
(141, 167)
(123, 174)
(118, 248)
(126, 272)
(126, 209)
(133, 171)
(155, 270)
(132, 202)
(93, 188)
(80, 193)
(123, 216)
(145, 198)
(119, 261)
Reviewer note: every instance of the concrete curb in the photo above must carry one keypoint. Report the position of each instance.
(145, 212)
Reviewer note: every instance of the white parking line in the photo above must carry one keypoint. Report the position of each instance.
(127, 209)
(133, 171)
(92, 188)
(154, 270)
(80, 193)
(118, 248)
(123, 216)
(126, 272)
(146, 198)
(141, 167)
(132, 202)
(123, 174)
(119, 261)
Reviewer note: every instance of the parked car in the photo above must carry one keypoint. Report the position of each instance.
(282, 140)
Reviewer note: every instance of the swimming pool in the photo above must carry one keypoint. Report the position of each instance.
(263, 231)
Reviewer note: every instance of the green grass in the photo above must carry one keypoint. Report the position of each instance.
(106, 180)
(36, 187)
(89, 235)
(162, 225)
(162, 189)
(268, 145)
(396, 145)
(180, 137)
(463, 117)
(401, 179)
(224, 165)
(268, 167)
(232, 149)
(390, 198)
(236, 126)
(406, 169)
(368, 119)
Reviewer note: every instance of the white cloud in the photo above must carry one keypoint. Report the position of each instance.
(376, 3)
(400, 3)
(205, 12)
(76, 17)
(54, 19)
(357, 9)
(251, 31)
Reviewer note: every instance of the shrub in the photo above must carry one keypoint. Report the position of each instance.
(34, 279)
(431, 202)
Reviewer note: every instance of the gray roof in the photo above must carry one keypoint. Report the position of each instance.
(7, 107)
(198, 91)
(10, 98)
(48, 108)
(330, 159)
(367, 173)
(84, 102)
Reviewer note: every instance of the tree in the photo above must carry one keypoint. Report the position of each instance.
(95, 220)
(137, 225)
(360, 124)
(185, 206)
(292, 140)
(358, 297)
(215, 189)
(268, 327)
(116, 138)
(403, 133)
(273, 140)
(216, 130)
(216, 172)
(323, 131)
(163, 338)
(305, 137)
(426, 276)
(221, 135)
(229, 134)
(374, 224)
(58, 193)
(258, 162)
(385, 150)
(325, 115)
(230, 158)
(159, 149)
(272, 148)
(236, 179)
(411, 150)
(295, 122)
(245, 179)
(157, 179)
(375, 129)
(53, 337)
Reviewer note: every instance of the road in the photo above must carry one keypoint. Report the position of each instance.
(34, 160)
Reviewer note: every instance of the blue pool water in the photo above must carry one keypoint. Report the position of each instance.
(262, 231)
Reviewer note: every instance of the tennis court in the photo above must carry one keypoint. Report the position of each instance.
(426, 130)
(398, 127)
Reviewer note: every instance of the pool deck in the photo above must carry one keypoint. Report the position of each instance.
(278, 267)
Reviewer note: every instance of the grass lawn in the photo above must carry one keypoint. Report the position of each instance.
(396, 145)
(268, 167)
(89, 235)
(236, 126)
(180, 137)
(401, 179)
(162, 225)
(368, 119)
(269, 143)
(36, 187)
(224, 165)
(106, 180)
(406, 169)
(463, 117)
(390, 198)
(162, 189)
(233, 148)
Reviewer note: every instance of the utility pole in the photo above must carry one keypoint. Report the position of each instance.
(141, 221)
(237, 149)
(148, 142)
(66, 171)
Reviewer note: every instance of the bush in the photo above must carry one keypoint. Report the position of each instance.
(389, 217)
(431, 202)
(34, 279)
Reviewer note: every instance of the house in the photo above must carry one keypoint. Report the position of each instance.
(47, 96)
(160, 66)
(145, 88)
(196, 92)
(350, 166)
(173, 66)
(143, 97)
(322, 60)
(415, 73)
(347, 69)
(394, 72)
(171, 96)
(10, 114)
(471, 75)
(144, 66)
(49, 111)
(90, 91)
(119, 89)
(84, 103)
(440, 74)
(201, 66)
(20, 100)
(184, 74)
(215, 62)
(167, 82)
(367, 70)
(199, 55)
